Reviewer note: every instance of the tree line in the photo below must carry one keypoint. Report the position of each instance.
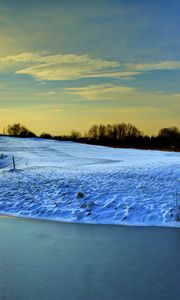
(116, 135)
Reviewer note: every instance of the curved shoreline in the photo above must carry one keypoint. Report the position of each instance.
(61, 220)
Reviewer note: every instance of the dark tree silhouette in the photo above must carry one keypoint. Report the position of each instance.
(115, 135)
(93, 132)
(75, 135)
(171, 135)
(45, 135)
(19, 130)
(116, 132)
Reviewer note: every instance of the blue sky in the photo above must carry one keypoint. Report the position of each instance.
(69, 64)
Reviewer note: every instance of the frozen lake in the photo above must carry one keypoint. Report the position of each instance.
(52, 261)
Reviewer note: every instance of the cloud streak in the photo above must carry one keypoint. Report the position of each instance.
(122, 93)
(103, 91)
(45, 67)
(49, 93)
(71, 67)
(162, 65)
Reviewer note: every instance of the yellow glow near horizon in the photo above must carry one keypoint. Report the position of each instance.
(55, 76)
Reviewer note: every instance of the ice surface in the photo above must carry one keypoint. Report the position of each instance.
(41, 260)
(89, 184)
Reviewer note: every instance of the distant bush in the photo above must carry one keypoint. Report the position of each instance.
(45, 136)
(19, 130)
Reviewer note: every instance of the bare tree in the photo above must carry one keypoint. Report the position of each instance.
(75, 135)
(94, 132)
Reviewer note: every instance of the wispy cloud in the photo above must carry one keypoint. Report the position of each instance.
(45, 67)
(50, 93)
(56, 110)
(122, 93)
(69, 67)
(103, 91)
(26, 57)
(162, 65)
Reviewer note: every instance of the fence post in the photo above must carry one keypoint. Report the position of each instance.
(14, 165)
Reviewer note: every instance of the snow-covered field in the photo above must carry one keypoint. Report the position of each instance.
(89, 184)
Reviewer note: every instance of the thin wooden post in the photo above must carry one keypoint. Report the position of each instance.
(14, 165)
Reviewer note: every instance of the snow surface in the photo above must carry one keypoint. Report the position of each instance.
(89, 184)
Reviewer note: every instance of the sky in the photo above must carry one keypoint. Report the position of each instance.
(70, 64)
